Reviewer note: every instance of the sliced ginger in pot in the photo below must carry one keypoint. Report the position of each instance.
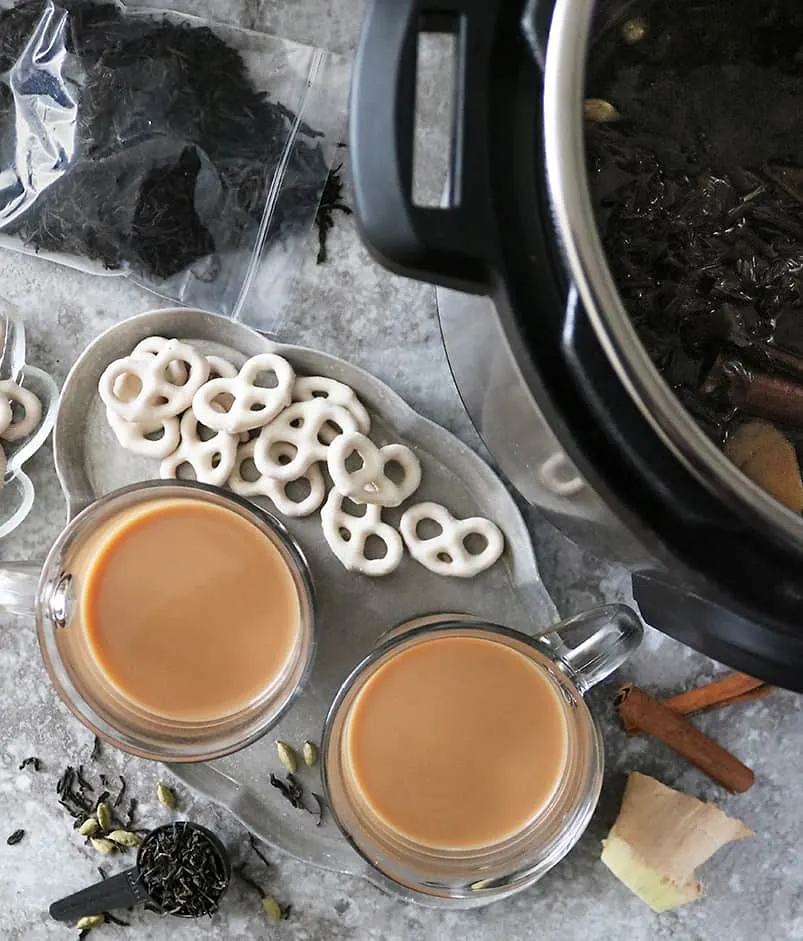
(768, 457)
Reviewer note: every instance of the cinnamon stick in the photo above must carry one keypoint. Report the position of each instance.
(721, 692)
(639, 709)
(729, 691)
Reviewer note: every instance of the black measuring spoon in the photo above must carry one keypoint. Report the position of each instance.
(182, 869)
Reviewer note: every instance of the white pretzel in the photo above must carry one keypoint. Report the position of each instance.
(14, 430)
(446, 553)
(134, 436)
(151, 346)
(277, 489)
(337, 393)
(220, 368)
(347, 536)
(237, 405)
(157, 396)
(370, 483)
(300, 425)
(212, 460)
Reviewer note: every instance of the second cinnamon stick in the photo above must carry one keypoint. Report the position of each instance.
(637, 708)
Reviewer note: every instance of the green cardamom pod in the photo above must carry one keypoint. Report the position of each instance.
(125, 838)
(287, 756)
(167, 796)
(104, 815)
(90, 921)
(310, 753)
(272, 908)
(103, 846)
(89, 827)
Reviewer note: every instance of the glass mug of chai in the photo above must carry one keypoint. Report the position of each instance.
(460, 758)
(176, 621)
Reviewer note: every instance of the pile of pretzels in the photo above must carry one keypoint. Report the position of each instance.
(264, 431)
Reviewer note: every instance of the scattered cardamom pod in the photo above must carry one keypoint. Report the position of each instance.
(89, 827)
(634, 30)
(90, 921)
(125, 838)
(103, 846)
(310, 753)
(272, 908)
(287, 756)
(599, 111)
(167, 796)
(104, 815)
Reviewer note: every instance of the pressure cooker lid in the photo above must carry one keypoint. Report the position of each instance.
(674, 150)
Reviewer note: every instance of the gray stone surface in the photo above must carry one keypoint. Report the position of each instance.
(389, 326)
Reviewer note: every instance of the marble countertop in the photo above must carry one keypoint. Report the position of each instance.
(352, 308)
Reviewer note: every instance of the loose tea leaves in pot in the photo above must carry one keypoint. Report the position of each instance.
(697, 185)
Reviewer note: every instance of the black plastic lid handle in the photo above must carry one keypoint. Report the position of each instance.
(454, 245)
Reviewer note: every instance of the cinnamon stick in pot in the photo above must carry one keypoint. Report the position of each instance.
(637, 708)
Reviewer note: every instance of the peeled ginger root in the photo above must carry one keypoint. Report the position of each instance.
(768, 458)
(660, 838)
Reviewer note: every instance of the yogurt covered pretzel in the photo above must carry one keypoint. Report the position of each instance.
(136, 436)
(370, 483)
(156, 396)
(301, 425)
(276, 490)
(307, 388)
(15, 430)
(236, 405)
(212, 460)
(446, 553)
(347, 536)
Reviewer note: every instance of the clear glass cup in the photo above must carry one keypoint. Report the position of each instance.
(604, 638)
(53, 594)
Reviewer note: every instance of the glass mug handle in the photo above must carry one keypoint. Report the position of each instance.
(19, 584)
(610, 635)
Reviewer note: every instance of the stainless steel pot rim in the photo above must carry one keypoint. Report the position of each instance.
(564, 82)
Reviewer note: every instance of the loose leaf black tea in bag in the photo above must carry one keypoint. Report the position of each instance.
(156, 145)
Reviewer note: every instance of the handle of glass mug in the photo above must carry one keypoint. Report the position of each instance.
(19, 584)
(615, 634)
(536, 21)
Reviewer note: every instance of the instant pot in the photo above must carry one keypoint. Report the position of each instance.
(544, 355)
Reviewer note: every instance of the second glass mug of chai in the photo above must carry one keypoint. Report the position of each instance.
(176, 621)
(460, 758)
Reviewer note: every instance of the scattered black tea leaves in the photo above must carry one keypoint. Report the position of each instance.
(104, 781)
(293, 792)
(102, 873)
(254, 844)
(15, 837)
(83, 934)
(182, 871)
(331, 202)
(83, 784)
(32, 762)
(118, 800)
(132, 812)
(96, 749)
(114, 920)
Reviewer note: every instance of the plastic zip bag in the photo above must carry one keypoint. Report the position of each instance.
(190, 157)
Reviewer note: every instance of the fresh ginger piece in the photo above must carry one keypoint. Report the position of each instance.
(660, 838)
(768, 457)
